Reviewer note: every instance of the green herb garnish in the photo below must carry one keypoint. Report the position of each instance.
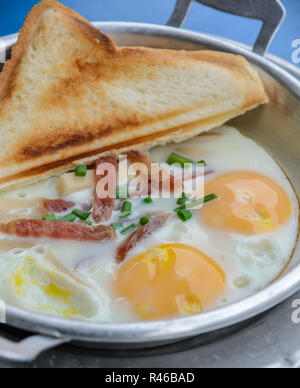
(144, 221)
(117, 226)
(51, 217)
(80, 214)
(128, 230)
(181, 201)
(184, 215)
(122, 192)
(81, 171)
(68, 218)
(182, 160)
(148, 200)
(198, 202)
(126, 209)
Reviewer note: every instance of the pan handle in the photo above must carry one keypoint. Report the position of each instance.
(28, 349)
(271, 12)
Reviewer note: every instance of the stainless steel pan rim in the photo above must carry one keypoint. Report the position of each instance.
(145, 332)
(179, 328)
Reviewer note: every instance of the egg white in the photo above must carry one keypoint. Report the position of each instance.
(250, 263)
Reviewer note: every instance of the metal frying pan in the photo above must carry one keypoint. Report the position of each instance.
(275, 126)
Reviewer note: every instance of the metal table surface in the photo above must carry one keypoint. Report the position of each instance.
(270, 340)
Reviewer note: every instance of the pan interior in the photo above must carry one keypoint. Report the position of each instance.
(276, 126)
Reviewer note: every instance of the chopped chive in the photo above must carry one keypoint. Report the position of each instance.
(182, 160)
(144, 221)
(128, 230)
(51, 217)
(81, 171)
(68, 218)
(89, 223)
(80, 214)
(184, 215)
(148, 200)
(117, 226)
(181, 201)
(122, 192)
(199, 202)
(126, 209)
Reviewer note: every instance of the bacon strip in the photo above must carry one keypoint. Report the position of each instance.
(103, 207)
(147, 160)
(58, 230)
(140, 157)
(140, 234)
(55, 206)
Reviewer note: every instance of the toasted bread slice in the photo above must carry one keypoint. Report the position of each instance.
(69, 95)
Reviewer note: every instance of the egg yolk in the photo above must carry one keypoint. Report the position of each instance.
(248, 203)
(169, 281)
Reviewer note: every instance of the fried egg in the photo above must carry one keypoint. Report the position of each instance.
(230, 249)
(48, 290)
(248, 203)
(170, 280)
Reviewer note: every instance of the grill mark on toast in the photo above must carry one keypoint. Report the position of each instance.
(35, 149)
(112, 149)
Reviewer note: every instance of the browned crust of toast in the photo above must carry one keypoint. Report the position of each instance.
(143, 143)
(11, 68)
